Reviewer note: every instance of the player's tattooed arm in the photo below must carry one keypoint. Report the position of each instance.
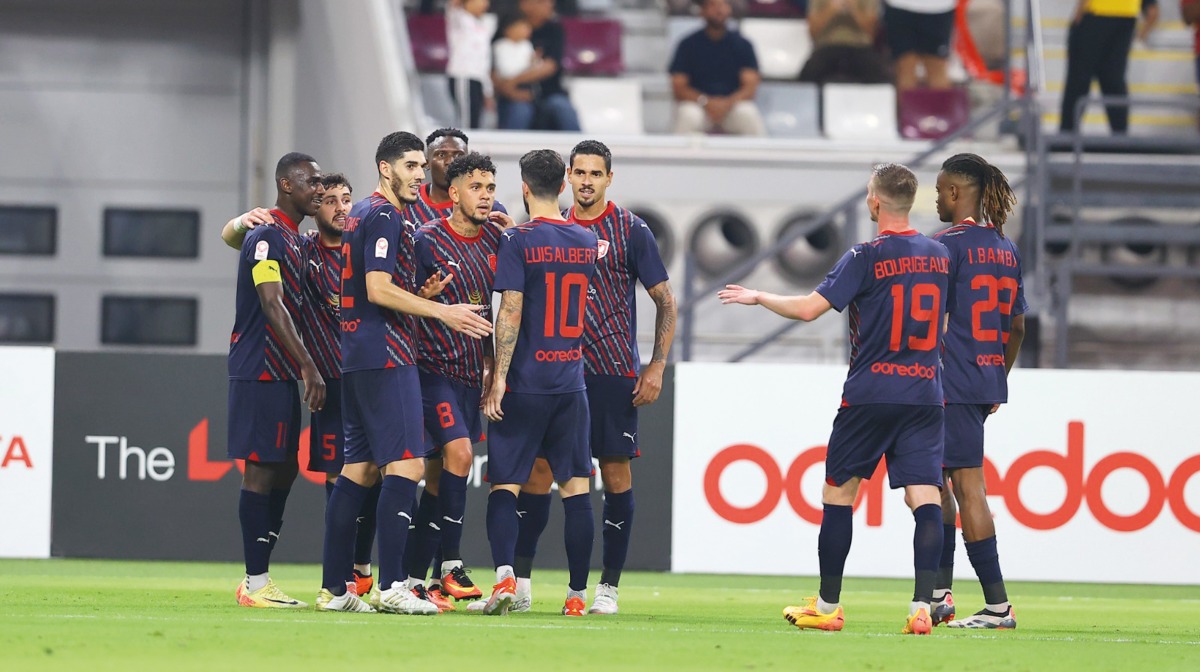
(508, 325)
(649, 382)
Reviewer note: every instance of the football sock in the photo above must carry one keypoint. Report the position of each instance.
(534, 512)
(503, 572)
(435, 579)
(579, 529)
(254, 512)
(364, 568)
(618, 524)
(452, 503)
(278, 502)
(927, 550)
(392, 519)
(328, 490)
(986, 561)
(945, 575)
(915, 606)
(364, 540)
(257, 581)
(502, 524)
(424, 535)
(833, 545)
(825, 607)
(524, 587)
(340, 512)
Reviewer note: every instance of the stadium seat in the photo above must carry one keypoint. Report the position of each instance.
(790, 110)
(427, 34)
(858, 111)
(782, 45)
(926, 114)
(593, 47)
(776, 8)
(608, 106)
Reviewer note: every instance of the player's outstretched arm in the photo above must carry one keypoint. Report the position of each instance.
(649, 382)
(508, 325)
(805, 308)
(462, 317)
(234, 231)
(270, 296)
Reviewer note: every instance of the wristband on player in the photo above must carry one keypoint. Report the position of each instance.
(240, 226)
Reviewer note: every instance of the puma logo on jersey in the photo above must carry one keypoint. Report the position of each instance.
(453, 263)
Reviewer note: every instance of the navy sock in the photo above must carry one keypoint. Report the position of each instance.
(452, 504)
(579, 529)
(986, 561)
(927, 550)
(424, 536)
(534, 512)
(364, 540)
(618, 525)
(435, 578)
(340, 511)
(945, 575)
(278, 502)
(394, 514)
(833, 545)
(254, 511)
(502, 525)
(328, 490)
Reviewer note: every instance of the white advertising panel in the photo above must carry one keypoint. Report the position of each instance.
(1092, 476)
(26, 450)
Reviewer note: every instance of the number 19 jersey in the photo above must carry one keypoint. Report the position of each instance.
(895, 287)
(551, 263)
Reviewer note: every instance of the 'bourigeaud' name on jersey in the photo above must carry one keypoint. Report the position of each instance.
(896, 289)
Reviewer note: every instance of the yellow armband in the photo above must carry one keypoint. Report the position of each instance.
(266, 271)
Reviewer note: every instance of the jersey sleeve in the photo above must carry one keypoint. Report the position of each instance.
(1020, 307)
(644, 258)
(956, 264)
(510, 270)
(381, 239)
(846, 279)
(497, 206)
(262, 250)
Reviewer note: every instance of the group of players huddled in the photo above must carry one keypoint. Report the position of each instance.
(384, 313)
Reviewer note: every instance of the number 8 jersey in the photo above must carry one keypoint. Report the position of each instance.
(895, 287)
(985, 271)
(550, 262)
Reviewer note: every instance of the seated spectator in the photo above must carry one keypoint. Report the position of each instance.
(918, 33)
(513, 54)
(469, 68)
(535, 98)
(843, 36)
(714, 76)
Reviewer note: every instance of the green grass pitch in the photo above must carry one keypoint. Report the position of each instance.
(104, 615)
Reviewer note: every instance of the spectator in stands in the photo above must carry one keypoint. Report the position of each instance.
(469, 68)
(513, 54)
(843, 37)
(1098, 48)
(546, 107)
(918, 33)
(714, 75)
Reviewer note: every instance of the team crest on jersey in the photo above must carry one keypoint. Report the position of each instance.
(492, 262)
(334, 300)
(601, 249)
(381, 248)
(261, 250)
(475, 297)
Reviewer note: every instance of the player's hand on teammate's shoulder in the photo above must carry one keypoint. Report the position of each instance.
(501, 219)
(255, 217)
(649, 384)
(738, 294)
(434, 285)
(314, 387)
(464, 317)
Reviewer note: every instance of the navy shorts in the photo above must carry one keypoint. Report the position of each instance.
(553, 426)
(909, 436)
(381, 413)
(326, 439)
(451, 410)
(964, 435)
(614, 417)
(914, 32)
(264, 420)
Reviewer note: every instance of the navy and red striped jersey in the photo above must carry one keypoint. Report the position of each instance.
(627, 254)
(896, 288)
(425, 209)
(985, 270)
(551, 262)
(255, 352)
(472, 262)
(376, 238)
(323, 306)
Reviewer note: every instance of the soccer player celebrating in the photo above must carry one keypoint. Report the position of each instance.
(896, 289)
(536, 402)
(381, 395)
(615, 388)
(266, 356)
(983, 337)
(454, 369)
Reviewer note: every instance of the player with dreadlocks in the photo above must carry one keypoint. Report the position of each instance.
(986, 306)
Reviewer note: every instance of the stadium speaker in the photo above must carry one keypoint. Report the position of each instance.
(663, 234)
(814, 253)
(1134, 254)
(722, 240)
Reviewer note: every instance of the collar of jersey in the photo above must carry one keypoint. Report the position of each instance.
(424, 192)
(971, 222)
(459, 236)
(592, 222)
(287, 221)
(543, 220)
(889, 232)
